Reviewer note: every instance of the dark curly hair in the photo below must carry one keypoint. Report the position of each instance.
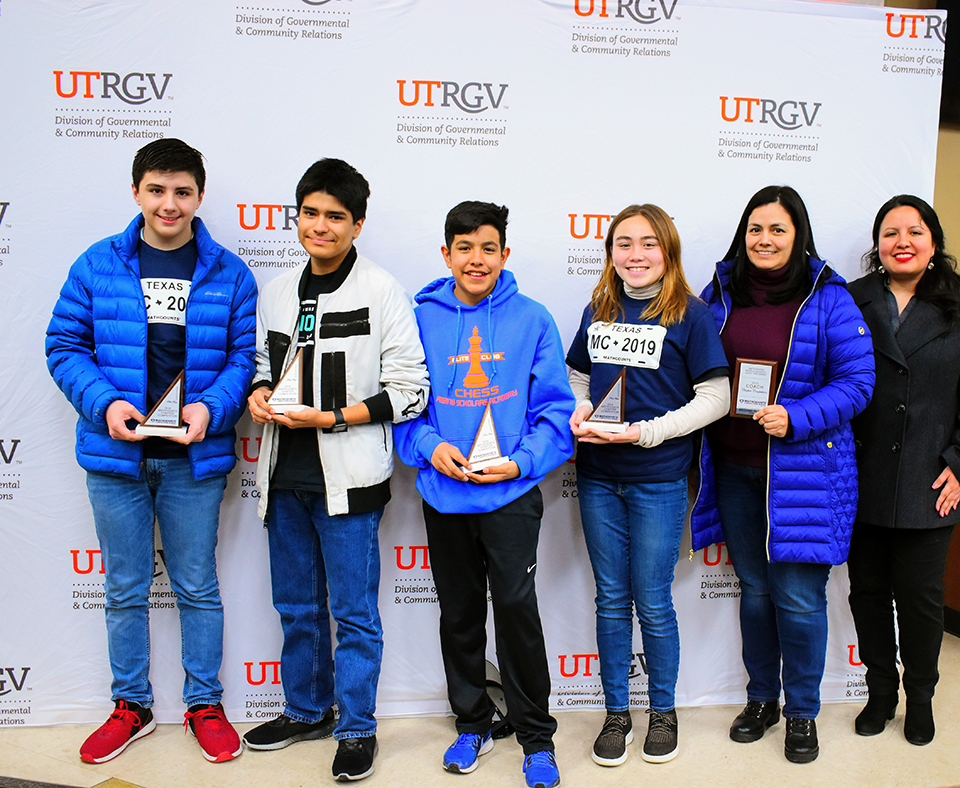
(939, 285)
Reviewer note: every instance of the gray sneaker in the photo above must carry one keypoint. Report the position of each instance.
(282, 731)
(610, 748)
(660, 745)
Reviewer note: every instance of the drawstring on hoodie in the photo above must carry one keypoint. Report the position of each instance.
(456, 350)
(493, 356)
(441, 291)
(490, 343)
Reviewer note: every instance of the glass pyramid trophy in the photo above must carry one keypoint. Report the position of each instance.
(288, 393)
(165, 418)
(486, 448)
(608, 415)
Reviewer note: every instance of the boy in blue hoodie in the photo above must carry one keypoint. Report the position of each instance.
(487, 345)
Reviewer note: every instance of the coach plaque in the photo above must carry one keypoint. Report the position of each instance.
(754, 386)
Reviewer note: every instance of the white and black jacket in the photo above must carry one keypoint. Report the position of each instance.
(367, 350)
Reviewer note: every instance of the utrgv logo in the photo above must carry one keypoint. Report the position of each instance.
(262, 679)
(7, 456)
(935, 25)
(641, 11)
(265, 213)
(638, 665)
(17, 685)
(89, 563)
(719, 553)
(784, 114)
(472, 97)
(587, 221)
(130, 89)
(245, 449)
(414, 549)
(575, 669)
(94, 560)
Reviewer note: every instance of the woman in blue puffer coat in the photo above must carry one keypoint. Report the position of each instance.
(780, 488)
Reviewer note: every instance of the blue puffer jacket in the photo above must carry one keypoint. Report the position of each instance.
(812, 473)
(97, 348)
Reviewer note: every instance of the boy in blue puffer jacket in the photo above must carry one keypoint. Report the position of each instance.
(138, 309)
(489, 349)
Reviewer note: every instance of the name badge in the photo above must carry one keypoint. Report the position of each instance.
(166, 300)
(626, 344)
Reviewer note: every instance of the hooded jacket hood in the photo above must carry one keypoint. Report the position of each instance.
(441, 291)
(504, 354)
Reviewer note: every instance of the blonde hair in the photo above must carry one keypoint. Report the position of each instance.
(670, 304)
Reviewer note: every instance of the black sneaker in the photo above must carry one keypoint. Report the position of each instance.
(660, 745)
(610, 748)
(354, 758)
(282, 731)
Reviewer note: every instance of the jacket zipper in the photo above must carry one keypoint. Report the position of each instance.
(275, 443)
(703, 437)
(776, 400)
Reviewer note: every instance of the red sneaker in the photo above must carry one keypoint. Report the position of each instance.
(217, 738)
(129, 722)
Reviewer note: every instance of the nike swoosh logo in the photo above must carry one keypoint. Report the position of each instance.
(530, 568)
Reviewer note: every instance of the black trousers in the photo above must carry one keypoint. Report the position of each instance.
(905, 566)
(466, 550)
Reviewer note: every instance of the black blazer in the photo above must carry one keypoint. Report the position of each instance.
(909, 432)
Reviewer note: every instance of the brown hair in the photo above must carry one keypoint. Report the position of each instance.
(670, 304)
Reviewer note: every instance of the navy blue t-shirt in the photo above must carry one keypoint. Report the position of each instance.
(662, 364)
(298, 464)
(165, 277)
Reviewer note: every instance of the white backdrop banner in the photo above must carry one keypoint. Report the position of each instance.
(564, 110)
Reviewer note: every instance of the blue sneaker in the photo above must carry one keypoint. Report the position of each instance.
(462, 756)
(540, 769)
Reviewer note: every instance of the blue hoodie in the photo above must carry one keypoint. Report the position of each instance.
(522, 376)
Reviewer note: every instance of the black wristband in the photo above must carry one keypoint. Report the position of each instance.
(339, 424)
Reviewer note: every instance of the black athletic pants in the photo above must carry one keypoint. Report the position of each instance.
(466, 550)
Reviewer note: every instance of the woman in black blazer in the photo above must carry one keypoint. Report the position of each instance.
(908, 459)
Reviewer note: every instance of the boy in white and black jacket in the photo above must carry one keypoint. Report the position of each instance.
(324, 470)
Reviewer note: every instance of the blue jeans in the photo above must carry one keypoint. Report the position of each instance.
(188, 513)
(783, 605)
(311, 552)
(633, 535)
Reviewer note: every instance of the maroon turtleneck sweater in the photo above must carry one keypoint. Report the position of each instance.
(762, 332)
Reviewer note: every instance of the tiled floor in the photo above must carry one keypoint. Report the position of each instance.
(410, 751)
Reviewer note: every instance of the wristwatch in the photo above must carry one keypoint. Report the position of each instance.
(339, 425)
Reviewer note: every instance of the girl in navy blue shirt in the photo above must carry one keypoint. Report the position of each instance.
(643, 321)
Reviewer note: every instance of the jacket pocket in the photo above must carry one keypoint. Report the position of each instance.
(830, 449)
(336, 325)
(333, 380)
(277, 346)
